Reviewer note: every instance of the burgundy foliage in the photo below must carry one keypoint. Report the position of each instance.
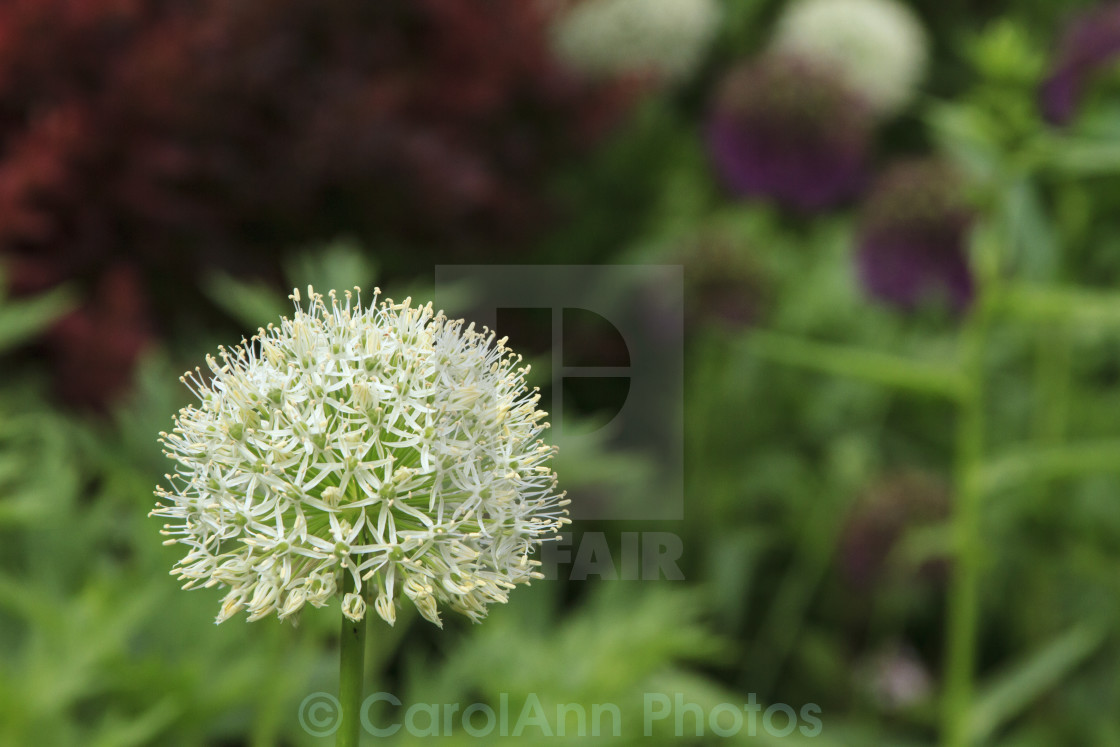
(173, 136)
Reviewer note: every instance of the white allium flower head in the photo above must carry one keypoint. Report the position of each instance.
(880, 46)
(382, 451)
(609, 37)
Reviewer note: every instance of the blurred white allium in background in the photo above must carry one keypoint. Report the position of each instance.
(609, 37)
(377, 451)
(880, 46)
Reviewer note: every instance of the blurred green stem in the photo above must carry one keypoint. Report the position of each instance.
(1052, 375)
(1053, 356)
(779, 633)
(964, 591)
(351, 677)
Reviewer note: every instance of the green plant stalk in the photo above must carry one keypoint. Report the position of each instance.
(1052, 390)
(782, 627)
(964, 590)
(351, 677)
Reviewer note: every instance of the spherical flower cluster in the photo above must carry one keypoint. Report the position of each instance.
(789, 130)
(664, 37)
(1090, 43)
(878, 46)
(725, 286)
(365, 451)
(913, 235)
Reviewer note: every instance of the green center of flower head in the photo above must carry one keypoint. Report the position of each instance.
(792, 96)
(385, 442)
(919, 197)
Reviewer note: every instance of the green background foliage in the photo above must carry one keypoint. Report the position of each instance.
(791, 423)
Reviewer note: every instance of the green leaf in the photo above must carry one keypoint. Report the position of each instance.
(968, 136)
(1082, 157)
(1011, 692)
(1030, 231)
(119, 731)
(28, 603)
(857, 363)
(21, 320)
(1078, 306)
(253, 304)
(339, 265)
(1037, 464)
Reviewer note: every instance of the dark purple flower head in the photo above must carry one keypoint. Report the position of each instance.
(788, 130)
(1091, 41)
(912, 236)
(884, 514)
(724, 285)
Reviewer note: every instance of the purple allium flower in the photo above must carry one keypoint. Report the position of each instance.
(1090, 41)
(912, 236)
(893, 505)
(724, 284)
(785, 129)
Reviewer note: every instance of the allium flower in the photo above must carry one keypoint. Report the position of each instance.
(1088, 44)
(724, 284)
(789, 130)
(893, 506)
(913, 236)
(379, 450)
(879, 46)
(610, 37)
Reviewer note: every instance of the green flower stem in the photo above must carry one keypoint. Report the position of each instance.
(964, 590)
(351, 677)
